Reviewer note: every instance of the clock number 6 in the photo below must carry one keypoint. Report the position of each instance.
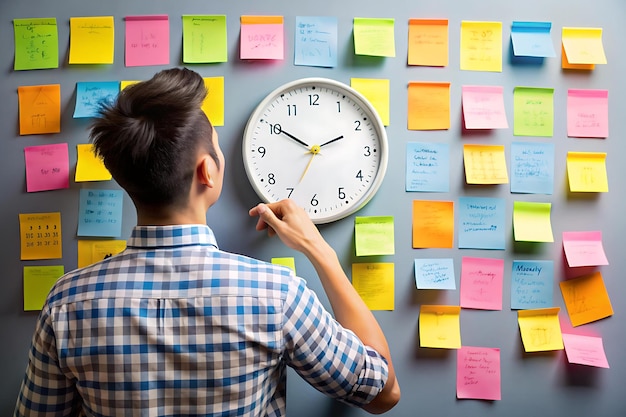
(314, 201)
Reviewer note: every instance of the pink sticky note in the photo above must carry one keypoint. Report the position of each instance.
(483, 107)
(47, 167)
(585, 350)
(478, 373)
(262, 37)
(147, 40)
(481, 283)
(584, 249)
(588, 113)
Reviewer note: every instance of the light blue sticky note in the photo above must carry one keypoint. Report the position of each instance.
(90, 94)
(427, 167)
(532, 167)
(316, 41)
(532, 39)
(435, 274)
(532, 285)
(100, 213)
(481, 222)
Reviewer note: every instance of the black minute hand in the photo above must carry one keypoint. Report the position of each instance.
(331, 141)
(295, 138)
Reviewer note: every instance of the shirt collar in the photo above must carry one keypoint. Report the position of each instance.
(171, 236)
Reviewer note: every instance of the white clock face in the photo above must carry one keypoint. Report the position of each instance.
(318, 142)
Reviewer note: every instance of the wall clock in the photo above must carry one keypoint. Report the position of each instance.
(318, 142)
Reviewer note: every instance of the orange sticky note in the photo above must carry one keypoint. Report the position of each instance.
(429, 105)
(433, 224)
(428, 42)
(40, 109)
(586, 299)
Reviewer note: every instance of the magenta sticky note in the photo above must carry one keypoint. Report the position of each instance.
(47, 167)
(584, 248)
(478, 373)
(147, 40)
(481, 283)
(587, 113)
(262, 37)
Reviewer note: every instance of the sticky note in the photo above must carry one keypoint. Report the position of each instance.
(481, 283)
(92, 40)
(481, 46)
(427, 167)
(289, 262)
(585, 350)
(428, 105)
(532, 39)
(147, 40)
(482, 222)
(90, 95)
(36, 43)
(540, 329)
(440, 326)
(213, 105)
(100, 213)
(586, 299)
(92, 251)
(262, 37)
(485, 164)
(38, 280)
(582, 46)
(587, 113)
(374, 282)
(428, 42)
(531, 222)
(376, 91)
(47, 167)
(374, 235)
(584, 248)
(532, 283)
(433, 224)
(434, 274)
(532, 167)
(374, 37)
(204, 39)
(586, 172)
(89, 167)
(478, 373)
(316, 41)
(40, 109)
(533, 111)
(127, 83)
(483, 107)
(40, 236)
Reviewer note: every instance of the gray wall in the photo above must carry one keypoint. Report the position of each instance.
(542, 384)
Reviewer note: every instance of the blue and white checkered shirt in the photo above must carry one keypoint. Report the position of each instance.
(175, 327)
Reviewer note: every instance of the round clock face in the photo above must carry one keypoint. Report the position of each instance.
(318, 142)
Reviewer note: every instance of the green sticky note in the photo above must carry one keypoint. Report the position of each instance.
(374, 235)
(533, 111)
(531, 222)
(374, 37)
(38, 280)
(36, 43)
(288, 262)
(204, 39)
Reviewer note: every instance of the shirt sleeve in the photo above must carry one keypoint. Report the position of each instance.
(329, 357)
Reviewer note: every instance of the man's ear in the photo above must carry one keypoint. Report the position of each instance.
(204, 172)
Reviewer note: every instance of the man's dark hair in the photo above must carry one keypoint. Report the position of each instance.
(150, 135)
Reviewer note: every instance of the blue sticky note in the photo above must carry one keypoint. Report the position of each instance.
(532, 284)
(316, 41)
(90, 94)
(532, 39)
(427, 167)
(100, 213)
(481, 222)
(532, 167)
(435, 274)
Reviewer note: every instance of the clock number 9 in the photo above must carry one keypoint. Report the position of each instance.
(261, 150)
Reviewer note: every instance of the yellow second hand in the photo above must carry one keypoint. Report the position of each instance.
(315, 149)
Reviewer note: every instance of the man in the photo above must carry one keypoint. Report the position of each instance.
(173, 326)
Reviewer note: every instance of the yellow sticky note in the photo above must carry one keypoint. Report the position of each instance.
(374, 282)
(433, 224)
(38, 280)
(289, 262)
(428, 42)
(92, 251)
(92, 40)
(374, 37)
(89, 167)
(481, 46)
(485, 164)
(586, 299)
(540, 329)
(213, 105)
(40, 236)
(531, 222)
(40, 109)
(586, 172)
(429, 106)
(376, 91)
(373, 235)
(124, 84)
(440, 326)
(582, 46)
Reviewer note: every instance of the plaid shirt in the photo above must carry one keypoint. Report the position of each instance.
(175, 327)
